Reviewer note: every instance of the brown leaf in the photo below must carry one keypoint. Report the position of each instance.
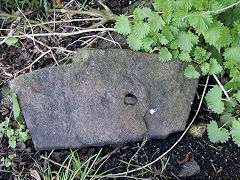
(34, 174)
(185, 160)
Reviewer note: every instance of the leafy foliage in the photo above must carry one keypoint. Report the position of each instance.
(122, 25)
(216, 134)
(214, 100)
(134, 42)
(235, 131)
(184, 56)
(200, 23)
(191, 73)
(188, 30)
(215, 67)
(164, 55)
(186, 40)
(201, 55)
(15, 131)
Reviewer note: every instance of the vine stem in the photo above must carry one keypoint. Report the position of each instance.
(216, 11)
(221, 86)
(180, 138)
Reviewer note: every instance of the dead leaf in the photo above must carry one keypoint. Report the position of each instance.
(157, 172)
(185, 160)
(34, 174)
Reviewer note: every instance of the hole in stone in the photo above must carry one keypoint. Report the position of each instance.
(130, 99)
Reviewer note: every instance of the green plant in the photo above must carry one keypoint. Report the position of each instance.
(74, 168)
(8, 5)
(15, 131)
(150, 170)
(203, 32)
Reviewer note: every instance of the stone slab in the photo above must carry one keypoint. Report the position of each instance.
(104, 97)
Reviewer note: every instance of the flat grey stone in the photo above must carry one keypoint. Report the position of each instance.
(189, 168)
(105, 97)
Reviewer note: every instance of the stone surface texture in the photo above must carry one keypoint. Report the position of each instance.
(189, 168)
(84, 103)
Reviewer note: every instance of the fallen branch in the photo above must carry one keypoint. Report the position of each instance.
(12, 30)
(62, 34)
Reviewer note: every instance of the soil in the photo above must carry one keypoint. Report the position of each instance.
(216, 161)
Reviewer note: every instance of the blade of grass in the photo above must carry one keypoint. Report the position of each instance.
(45, 7)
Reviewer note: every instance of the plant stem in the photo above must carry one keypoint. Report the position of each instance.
(221, 86)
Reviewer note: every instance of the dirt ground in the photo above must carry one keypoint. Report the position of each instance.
(216, 161)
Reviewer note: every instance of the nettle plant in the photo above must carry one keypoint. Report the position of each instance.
(15, 131)
(205, 33)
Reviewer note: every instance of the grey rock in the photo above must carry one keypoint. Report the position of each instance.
(5, 96)
(189, 168)
(104, 97)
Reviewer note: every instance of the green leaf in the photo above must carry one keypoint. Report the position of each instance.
(233, 84)
(200, 23)
(232, 53)
(205, 68)
(147, 42)
(11, 156)
(235, 132)
(167, 11)
(24, 136)
(235, 33)
(214, 99)
(59, 6)
(67, 61)
(227, 119)
(237, 96)
(184, 56)
(201, 55)
(12, 142)
(229, 64)
(215, 67)
(184, 5)
(213, 33)
(141, 29)
(162, 39)
(170, 32)
(164, 55)
(200, 4)
(20, 118)
(141, 13)
(225, 38)
(156, 22)
(173, 45)
(185, 41)
(229, 105)
(134, 42)
(16, 107)
(234, 72)
(175, 53)
(10, 132)
(216, 134)
(122, 25)
(159, 4)
(177, 18)
(137, 13)
(191, 73)
(6, 162)
(165, 7)
(11, 41)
